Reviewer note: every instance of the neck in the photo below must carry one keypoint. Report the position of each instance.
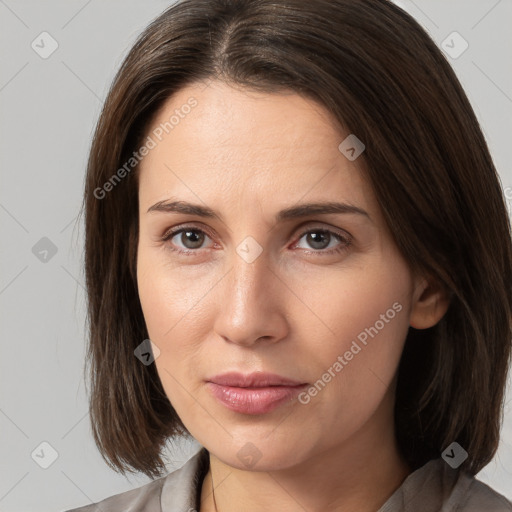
(359, 474)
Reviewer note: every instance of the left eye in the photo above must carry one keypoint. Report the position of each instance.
(319, 240)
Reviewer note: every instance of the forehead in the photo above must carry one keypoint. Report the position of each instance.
(215, 139)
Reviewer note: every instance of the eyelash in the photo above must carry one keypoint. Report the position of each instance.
(345, 241)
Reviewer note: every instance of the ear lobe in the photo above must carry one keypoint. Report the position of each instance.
(431, 301)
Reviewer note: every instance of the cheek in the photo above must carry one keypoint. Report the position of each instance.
(175, 308)
(365, 322)
(170, 298)
(172, 331)
(359, 301)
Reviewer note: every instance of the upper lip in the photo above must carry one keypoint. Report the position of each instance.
(253, 380)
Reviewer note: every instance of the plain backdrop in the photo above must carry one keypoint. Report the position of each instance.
(49, 107)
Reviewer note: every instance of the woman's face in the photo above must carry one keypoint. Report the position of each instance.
(255, 282)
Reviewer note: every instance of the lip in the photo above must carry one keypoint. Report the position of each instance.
(253, 380)
(255, 393)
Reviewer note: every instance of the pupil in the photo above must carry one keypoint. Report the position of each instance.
(316, 237)
(192, 234)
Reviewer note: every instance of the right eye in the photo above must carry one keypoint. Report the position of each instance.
(191, 237)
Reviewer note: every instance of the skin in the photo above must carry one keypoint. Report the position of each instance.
(291, 311)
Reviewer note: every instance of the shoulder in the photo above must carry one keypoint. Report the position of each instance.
(175, 491)
(141, 498)
(480, 496)
(436, 486)
(462, 492)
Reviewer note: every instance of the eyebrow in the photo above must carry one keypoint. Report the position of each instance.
(293, 212)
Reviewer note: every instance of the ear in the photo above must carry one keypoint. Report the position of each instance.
(430, 303)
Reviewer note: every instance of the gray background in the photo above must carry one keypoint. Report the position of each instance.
(49, 109)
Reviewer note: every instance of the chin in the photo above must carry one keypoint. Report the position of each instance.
(255, 453)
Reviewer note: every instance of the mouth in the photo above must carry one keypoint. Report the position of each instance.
(256, 393)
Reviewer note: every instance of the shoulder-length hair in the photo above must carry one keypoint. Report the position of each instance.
(378, 72)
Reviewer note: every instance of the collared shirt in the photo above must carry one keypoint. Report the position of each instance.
(435, 487)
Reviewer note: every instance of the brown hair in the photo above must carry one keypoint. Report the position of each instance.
(378, 72)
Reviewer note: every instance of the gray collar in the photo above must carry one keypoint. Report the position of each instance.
(181, 487)
(431, 488)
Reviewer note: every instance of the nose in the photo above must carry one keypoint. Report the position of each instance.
(253, 303)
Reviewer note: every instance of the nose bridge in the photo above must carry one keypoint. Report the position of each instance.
(250, 302)
(251, 258)
(251, 272)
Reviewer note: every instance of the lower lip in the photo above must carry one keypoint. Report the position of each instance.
(254, 400)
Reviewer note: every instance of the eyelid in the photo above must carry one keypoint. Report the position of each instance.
(325, 227)
(308, 226)
(303, 229)
(169, 233)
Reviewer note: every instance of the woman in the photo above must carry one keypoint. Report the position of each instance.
(297, 253)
